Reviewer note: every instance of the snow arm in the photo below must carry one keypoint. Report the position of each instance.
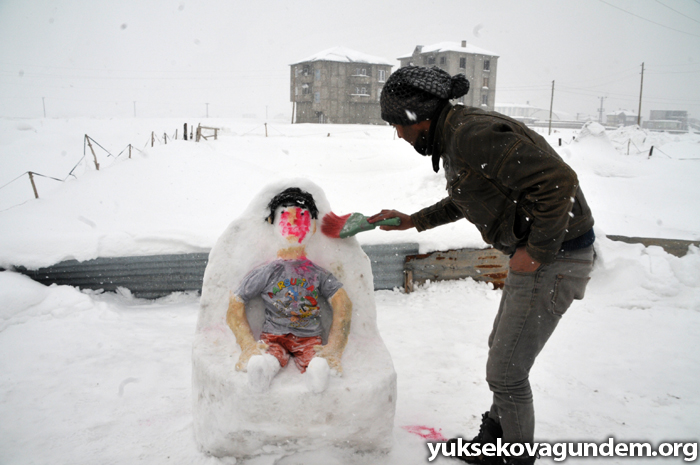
(339, 332)
(238, 322)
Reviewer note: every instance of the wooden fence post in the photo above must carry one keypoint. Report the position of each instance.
(199, 133)
(129, 150)
(165, 138)
(31, 178)
(97, 165)
(265, 129)
(153, 138)
(185, 133)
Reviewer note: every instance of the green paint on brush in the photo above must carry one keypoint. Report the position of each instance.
(358, 223)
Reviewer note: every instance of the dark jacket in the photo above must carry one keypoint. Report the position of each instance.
(508, 181)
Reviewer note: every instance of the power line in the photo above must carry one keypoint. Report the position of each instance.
(682, 14)
(677, 72)
(645, 19)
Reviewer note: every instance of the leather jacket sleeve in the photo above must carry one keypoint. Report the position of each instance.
(443, 212)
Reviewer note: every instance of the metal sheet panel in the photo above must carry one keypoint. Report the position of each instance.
(488, 265)
(387, 263)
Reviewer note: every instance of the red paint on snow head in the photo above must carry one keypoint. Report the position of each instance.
(295, 222)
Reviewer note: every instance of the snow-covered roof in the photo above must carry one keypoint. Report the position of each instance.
(345, 55)
(513, 105)
(622, 112)
(452, 47)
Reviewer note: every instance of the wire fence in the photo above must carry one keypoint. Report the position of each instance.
(89, 144)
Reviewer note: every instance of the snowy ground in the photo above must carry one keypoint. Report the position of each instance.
(97, 378)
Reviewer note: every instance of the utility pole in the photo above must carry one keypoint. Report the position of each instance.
(601, 110)
(43, 102)
(551, 106)
(641, 86)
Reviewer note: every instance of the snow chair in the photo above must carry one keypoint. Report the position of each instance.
(356, 410)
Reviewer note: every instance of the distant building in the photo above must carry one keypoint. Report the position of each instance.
(667, 120)
(539, 117)
(338, 86)
(479, 65)
(527, 112)
(621, 118)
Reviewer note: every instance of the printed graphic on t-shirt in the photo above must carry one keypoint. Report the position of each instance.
(297, 299)
(290, 290)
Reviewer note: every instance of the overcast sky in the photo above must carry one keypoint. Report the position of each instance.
(171, 57)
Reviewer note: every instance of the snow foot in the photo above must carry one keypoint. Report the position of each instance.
(317, 375)
(261, 370)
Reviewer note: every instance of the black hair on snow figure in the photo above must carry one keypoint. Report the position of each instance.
(414, 93)
(292, 197)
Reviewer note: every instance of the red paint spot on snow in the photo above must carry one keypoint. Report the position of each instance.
(295, 222)
(425, 432)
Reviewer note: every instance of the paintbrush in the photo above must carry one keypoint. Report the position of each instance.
(351, 224)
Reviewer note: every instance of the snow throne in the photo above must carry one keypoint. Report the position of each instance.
(356, 410)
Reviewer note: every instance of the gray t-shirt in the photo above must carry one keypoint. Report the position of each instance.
(290, 290)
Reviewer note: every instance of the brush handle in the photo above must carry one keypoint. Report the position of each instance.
(396, 221)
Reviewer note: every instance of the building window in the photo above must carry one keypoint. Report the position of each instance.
(485, 99)
(317, 97)
(296, 91)
(364, 91)
(382, 75)
(463, 63)
(360, 72)
(431, 60)
(487, 65)
(443, 60)
(305, 90)
(486, 82)
(317, 75)
(296, 71)
(305, 70)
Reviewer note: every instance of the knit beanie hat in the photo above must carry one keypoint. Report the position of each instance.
(413, 94)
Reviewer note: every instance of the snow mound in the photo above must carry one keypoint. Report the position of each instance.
(23, 300)
(593, 129)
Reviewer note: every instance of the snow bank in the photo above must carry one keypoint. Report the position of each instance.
(179, 197)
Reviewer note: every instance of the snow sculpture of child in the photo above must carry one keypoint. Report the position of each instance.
(290, 287)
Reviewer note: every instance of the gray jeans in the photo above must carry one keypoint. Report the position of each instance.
(531, 307)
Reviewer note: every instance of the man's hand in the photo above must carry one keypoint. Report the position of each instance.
(253, 349)
(332, 357)
(522, 261)
(406, 221)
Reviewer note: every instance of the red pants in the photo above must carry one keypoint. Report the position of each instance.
(284, 345)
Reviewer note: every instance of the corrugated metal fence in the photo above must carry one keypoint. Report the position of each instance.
(155, 276)
(159, 275)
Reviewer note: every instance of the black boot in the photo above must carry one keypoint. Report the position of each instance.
(489, 431)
